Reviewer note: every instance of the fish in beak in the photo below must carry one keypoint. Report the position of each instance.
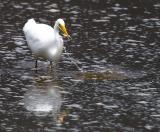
(64, 30)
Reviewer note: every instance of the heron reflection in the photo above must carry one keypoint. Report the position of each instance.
(44, 98)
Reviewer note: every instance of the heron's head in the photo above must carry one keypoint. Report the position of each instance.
(62, 27)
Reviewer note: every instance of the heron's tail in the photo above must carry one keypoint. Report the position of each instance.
(29, 24)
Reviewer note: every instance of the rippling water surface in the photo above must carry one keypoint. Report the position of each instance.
(115, 42)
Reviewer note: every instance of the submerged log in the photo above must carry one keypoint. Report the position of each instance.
(101, 75)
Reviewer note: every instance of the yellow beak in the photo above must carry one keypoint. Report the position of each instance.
(64, 30)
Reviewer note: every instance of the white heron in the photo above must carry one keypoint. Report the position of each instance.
(45, 41)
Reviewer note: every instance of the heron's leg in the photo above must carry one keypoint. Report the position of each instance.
(51, 65)
(36, 64)
(52, 69)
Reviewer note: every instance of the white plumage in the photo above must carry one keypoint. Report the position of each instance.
(45, 41)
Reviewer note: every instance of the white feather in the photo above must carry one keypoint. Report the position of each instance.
(43, 40)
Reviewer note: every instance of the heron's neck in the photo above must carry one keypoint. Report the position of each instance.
(56, 28)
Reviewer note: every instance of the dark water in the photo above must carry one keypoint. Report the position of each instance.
(121, 36)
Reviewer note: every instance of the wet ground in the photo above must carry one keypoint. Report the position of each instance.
(115, 42)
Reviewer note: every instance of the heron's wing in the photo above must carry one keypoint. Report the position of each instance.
(38, 36)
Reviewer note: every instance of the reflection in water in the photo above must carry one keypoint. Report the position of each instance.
(43, 98)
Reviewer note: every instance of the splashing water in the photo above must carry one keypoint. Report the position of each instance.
(73, 60)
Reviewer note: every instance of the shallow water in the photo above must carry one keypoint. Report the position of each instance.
(120, 37)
